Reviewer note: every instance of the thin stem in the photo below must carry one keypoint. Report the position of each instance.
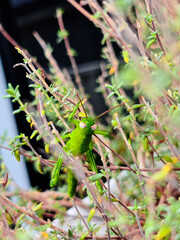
(106, 169)
(102, 114)
(7, 202)
(100, 24)
(57, 133)
(131, 151)
(14, 43)
(41, 78)
(102, 85)
(6, 223)
(153, 26)
(160, 128)
(69, 52)
(116, 154)
(56, 111)
(81, 216)
(121, 203)
(50, 57)
(139, 224)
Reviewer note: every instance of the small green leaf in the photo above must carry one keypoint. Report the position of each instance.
(39, 137)
(72, 52)
(55, 89)
(67, 94)
(114, 123)
(109, 86)
(145, 143)
(135, 204)
(167, 158)
(43, 228)
(38, 167)
(47, 148)
(95, 177)
(150, 43)
(125, 55)
(38, 207)
(84, 235)
(97, 15)
(10, 92)
(17, 155)
(149, 18)
(35, 85)
(114, 200)
(19, 221)
(62, 33)
(163, 232)
(90, 196)
(28, 118)
(34, 134)
(138, 106)
(6, 96)
(106, 36)
(110, 95)
(91, 214)
(70, 233)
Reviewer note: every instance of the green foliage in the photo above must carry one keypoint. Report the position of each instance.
(13, 93)
(151, 39)
(140, 153)
(61, 34)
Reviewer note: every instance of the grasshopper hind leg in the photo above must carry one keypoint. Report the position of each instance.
(93, 167)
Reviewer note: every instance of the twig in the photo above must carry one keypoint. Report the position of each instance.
(41, 78)
(160, 128)
(57, 133)
(50, 57)
(106, 169)
(139, 224)
(116, 154)
(7, 202)
(81, 216)
(5, 222)
(149, 142)
(112, 32)
(57, 112)
(66, 157)
(122, 204)
(153, 26)
(71, 57)
(127, 168)
(131, 151)
(102, 85)
(14, 43)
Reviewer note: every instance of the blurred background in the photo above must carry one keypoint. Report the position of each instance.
(21, 18)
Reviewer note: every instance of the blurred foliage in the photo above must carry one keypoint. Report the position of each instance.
(140, 157)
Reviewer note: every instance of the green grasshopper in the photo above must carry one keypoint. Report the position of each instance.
(80, 143)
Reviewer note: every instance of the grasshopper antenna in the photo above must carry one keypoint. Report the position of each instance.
(82, 104)
(102, 114)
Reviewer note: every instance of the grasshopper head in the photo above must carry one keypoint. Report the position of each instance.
(88, 124)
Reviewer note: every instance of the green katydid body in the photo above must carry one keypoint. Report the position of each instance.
(80, 142)
(81, 137)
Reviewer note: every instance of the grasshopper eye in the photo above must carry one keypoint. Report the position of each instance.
(82, 125)
(93, 127)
